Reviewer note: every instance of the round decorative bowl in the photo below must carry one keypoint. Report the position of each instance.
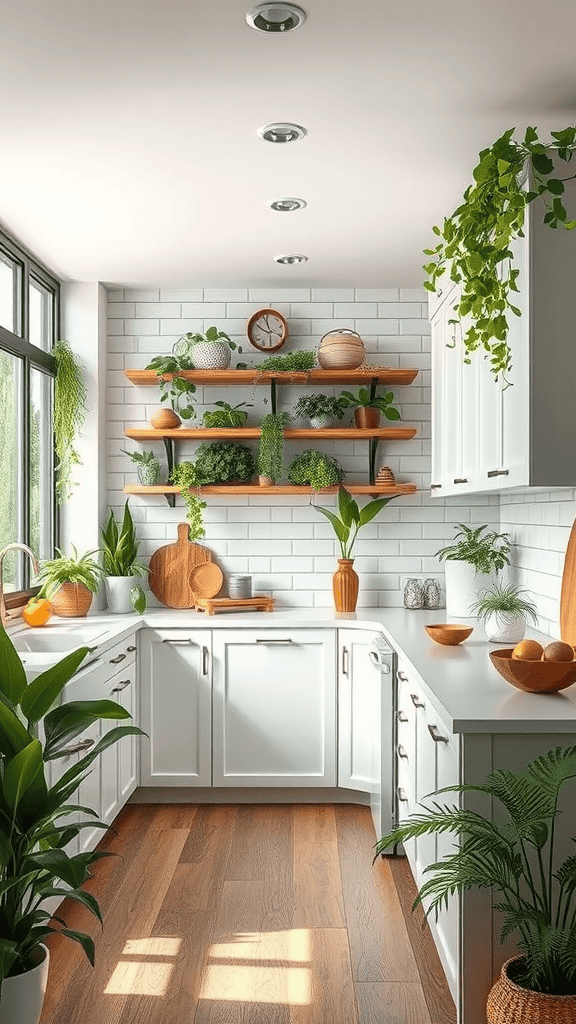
(533, 676)
(448, 633)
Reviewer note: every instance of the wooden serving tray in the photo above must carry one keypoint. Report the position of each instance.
(234, 604)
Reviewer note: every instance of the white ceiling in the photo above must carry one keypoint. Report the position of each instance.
(128, 145)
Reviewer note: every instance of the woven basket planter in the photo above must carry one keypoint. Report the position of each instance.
(71, 600)
(508, 1003)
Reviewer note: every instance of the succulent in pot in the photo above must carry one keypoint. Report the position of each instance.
(369, 407)
(472, 563)
(315, 469)
(321, 410)
(210, 351)
(119, 553)
(147, 467)
(504, 611)
(69, 582)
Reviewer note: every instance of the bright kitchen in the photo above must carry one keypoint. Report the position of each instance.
(187, 183)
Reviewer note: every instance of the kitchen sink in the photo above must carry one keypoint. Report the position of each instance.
(52, 642)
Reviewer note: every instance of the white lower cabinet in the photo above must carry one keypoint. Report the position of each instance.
(176, 707)
(274, 707)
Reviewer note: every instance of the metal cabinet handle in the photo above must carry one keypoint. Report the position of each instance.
(416, 701)
(167, 640)
(402, 716)
(345, 661)
(460, 480)
(118, 659)
(436, 735)
(435, 487)
(402, 752)
(76, 748)
(121, 686)
(205, 661)
(131, 648)
(402, 795)
(273, 641)
(498, 472)
(402, 676)
(382, 665)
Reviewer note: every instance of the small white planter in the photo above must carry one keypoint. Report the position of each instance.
(505, 628)
(320, 422)
(208, 355)
(118, 593)
(463, 587)
(23, 996)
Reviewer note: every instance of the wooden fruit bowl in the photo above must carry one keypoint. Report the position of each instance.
(448, 633)
(534, 676)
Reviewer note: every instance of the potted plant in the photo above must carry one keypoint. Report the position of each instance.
(320, 410)
(68, 415)
(504, 612)
(185, 476)
(175, 390)
(369, 407)
(346, 526)
(221, 462)
(226, 415)
(298, 361)
(471, 565)
(38, 821)
(514, 856)
(315, 469)
(210, 351)
(119, 553)
(475, 241)
(147, 467)
(70, 582)
(271, 448)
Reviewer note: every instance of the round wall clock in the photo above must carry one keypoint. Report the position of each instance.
(267, 330)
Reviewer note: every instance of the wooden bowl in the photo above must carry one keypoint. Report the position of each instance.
(534, 676)
(448, 633)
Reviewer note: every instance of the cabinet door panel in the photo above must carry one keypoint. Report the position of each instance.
(274, 708)
(176, 708)
(128, 747)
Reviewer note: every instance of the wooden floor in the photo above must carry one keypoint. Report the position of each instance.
(250, 914)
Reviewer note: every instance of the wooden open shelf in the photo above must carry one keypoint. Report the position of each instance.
(202, 378)
(241, 489)
(251, 433)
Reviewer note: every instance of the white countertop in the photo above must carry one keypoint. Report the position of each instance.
(466, 690)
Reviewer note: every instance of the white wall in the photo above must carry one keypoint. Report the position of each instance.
(287, 546)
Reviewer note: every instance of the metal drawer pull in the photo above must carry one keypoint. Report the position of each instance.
(119, 658)
(131, 648)
(416, 701)
(402, 676)
(345, 661)
(272, 641)
(121, 686)
(402, 716)
(205, 661)
(402, 795)
(460, 480)
(402, 752)
(382, 665)
(436, 735)
(77, 748)
(498, 472)
(435, 487)
(166, 640)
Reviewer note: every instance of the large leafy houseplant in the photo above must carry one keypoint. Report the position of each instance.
(223, 462)
(226, 415)
(37, 820)
(516, 859)
(475, 244)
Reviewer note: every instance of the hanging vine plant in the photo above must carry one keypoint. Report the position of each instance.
(475, 242)
(68, 416)
(185, 476)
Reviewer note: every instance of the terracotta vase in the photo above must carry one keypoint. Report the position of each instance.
(345, 585)
(71, 600)
(365, 416)
(509, 1003)
(266, 481)
(165, 419)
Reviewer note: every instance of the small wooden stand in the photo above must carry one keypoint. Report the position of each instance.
(232, 604)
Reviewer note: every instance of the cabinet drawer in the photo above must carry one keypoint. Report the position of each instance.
(121, 654)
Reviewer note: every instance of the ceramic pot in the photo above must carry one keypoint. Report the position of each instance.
(165, 419)
(149, 474)
(463, 587)
(118, 593)
(320, 422)
(341, 349)
(208, 355)
(505, 628)
(71, 600)
(365, 416)
(23, 996)
(508, 1003)
(345, 585)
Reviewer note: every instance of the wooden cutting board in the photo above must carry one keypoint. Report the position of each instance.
(170, 568)
(568, 592)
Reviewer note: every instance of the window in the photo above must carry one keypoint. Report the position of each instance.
(29, 313)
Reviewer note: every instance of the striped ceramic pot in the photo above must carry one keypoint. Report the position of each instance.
(345, 584)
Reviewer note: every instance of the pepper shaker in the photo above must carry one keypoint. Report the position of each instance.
(431, 590)
(413, 594)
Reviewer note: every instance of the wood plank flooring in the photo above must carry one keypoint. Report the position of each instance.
(247, 914)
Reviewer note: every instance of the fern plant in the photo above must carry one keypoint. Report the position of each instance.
(516, 859)
(485, 551)
(68, 416)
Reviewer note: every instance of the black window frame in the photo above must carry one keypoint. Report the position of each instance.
(18, 344)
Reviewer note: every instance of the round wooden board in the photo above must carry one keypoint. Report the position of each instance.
(170, 569)
(206, 580)
(568, 592)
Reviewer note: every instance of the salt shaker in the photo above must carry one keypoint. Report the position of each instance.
(431, 589)
(413, 594)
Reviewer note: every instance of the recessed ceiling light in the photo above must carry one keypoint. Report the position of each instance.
(282, 131)
(275, 17)
(287, 205)
(286, 260)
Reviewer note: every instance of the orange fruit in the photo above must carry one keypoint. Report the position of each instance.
(558, 651)
(37, 612)
(528, 650)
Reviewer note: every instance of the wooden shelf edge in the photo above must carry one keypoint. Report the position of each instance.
(243, 489)
(248, 433)
(204, 378)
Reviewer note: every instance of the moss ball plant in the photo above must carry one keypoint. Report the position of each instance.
(315, 469)
(221, 462)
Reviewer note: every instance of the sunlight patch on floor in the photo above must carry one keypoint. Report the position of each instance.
(144, 977)
(293, 945)
(272, 977)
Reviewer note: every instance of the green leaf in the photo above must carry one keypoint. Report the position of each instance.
(339, 528)
(542, 163)
(20, 773)
(71, 719)
(138, 599)
(110, 737)
(40, 694)
(371, 510)
(347, 507)
(13, 736)
(84, 940)
(13, 676)
(555, 186)
(392, 414)
(59, 864)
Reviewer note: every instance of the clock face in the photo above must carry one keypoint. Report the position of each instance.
(267, 330)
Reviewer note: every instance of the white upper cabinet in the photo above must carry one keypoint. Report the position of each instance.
(486, 437)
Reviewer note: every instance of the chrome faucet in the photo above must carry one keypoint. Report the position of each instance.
(4, 617)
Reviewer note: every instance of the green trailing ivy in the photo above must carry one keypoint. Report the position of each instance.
(475, 246)
(271, 445)
(185, 476)
(315, 469)
(68, 416)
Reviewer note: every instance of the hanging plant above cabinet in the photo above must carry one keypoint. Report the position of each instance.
(68, 416)
(476, 240)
